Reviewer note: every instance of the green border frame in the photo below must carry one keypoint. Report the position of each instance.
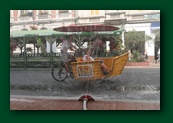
(165, 114)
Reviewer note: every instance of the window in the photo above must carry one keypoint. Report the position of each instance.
(43, 12)
(63, 11)
(23, 12)
(94, 12)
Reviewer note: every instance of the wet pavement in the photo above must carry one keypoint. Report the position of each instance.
(31, 103)
(137, 88)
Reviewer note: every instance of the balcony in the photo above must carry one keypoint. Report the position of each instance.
(63, 15)
(152, 16)
(115, 18)
(90, 20)
(143, 17)
(43, 16)
(94, 20)
(24, 17)
(137, 17)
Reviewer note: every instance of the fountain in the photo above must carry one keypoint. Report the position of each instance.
(90, 71)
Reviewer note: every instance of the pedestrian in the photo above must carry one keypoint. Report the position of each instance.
(158, 55)
(129, 55)
(146, 55)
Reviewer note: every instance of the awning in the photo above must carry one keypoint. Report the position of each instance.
(86, 28)
(32, 33)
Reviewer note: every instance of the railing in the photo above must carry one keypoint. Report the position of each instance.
(23, 18)
(16, 55)
(152, 16)
(63, 15)
(94, 20)
(138, 17)
(115, 16)
(40, 60)
(141, 16)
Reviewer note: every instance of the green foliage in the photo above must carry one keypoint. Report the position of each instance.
(134, 36)
(39, 43)
(115, 45)
(135, 42)
(43, 50)
(147, 37)
(157, 37)
(114, 53)
(137, 57)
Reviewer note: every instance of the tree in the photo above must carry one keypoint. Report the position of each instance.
(41, 44)
(135, 42)
(38, 44)
(13, 46)
(20, 44)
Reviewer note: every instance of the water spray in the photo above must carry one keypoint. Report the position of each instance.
(85, 99)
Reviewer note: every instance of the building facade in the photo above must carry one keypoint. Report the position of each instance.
(128, 20)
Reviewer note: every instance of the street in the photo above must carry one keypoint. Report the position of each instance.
(134, 84)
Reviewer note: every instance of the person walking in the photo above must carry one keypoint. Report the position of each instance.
(158, 55)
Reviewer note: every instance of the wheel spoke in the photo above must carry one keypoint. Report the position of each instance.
(59, 73)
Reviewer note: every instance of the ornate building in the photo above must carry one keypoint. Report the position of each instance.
(128, 20)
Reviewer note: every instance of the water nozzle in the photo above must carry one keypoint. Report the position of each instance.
(86, 97)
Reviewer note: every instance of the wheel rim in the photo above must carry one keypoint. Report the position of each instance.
(59, 74)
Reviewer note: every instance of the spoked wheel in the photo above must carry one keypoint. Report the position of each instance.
(59, 73)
